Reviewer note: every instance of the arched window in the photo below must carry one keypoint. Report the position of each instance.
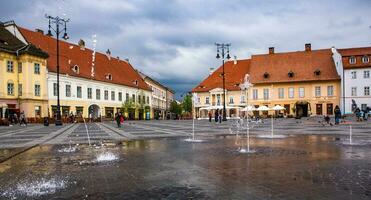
(76, 69)
(109, 76)
(352, 60)
(365, 59)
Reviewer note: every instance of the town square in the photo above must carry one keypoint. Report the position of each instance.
(185, 100)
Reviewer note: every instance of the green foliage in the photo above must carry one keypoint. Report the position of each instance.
(175, 108)
(129, 104)
(187, 103)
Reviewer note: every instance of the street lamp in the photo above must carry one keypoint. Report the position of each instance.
(223, 53)
(58, 22)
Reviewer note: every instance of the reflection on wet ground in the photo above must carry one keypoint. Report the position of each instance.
(299, 167)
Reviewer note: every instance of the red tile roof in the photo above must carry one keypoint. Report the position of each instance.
(358, 53)
(70, 55)
(302, 64)
(234, 74)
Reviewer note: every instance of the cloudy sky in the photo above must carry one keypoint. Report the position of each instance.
(173, 41)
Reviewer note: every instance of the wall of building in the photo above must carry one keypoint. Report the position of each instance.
(360, 82)
(73, 101)
(26, 101)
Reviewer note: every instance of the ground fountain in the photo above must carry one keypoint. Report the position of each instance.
(272, 135)
(245, 87)
(193, 139)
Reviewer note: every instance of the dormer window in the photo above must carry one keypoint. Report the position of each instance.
(135, 82)
(365, 59)
(352, 60)
(266, 75)
(317, 72)
(290, 74)
(109, 77)
(201, 86)
(76, 69)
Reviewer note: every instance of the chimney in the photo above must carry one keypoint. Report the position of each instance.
(108, 54)
(308, 47)
(39, 31)
(235, 60)
(211, 70)
(271, 50)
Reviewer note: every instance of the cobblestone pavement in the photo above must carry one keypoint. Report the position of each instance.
(107, 132)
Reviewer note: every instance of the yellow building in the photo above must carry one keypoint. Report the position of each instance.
(304, 82)
(23, 79)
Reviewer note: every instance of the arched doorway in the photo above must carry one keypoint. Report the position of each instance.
(302, 108)
(94, 111)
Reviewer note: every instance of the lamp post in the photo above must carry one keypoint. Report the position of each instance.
(58, 21)
(223, 53)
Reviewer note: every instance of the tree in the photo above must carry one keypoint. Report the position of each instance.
(175, 108)
(187, 103)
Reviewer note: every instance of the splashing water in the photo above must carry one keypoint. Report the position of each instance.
(35, 188)
(107, 157)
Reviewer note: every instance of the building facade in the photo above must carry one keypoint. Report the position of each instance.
(23, 76)
(355, 66)
(92, 84)
(304, 82)
(161, 97)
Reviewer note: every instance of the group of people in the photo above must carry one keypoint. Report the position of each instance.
(14, 119)
(217, 116)
(362, 115)
(119, 117)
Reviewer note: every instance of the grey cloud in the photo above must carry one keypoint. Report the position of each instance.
(173, 41)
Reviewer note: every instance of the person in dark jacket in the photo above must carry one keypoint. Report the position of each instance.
(210, 116)
(118, 119)
(216, 115)
(337, 113)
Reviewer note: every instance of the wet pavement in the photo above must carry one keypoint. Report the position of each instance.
(296, 167)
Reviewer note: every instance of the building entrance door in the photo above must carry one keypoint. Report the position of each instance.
(330, 109)
(318, 109)
(302, 109)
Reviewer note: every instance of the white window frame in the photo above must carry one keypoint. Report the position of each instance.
(207, 100)
(10, 66)
(36, 69)
(68, 90)
(90, 93)
(55, 89)
(10, 88)
(266, 93)
(352, 60)
(365, 59)
(37, 90)
(366, 91)
(353, 74)
(330, 90)
(255, 94)
(366, 74)
(281, 93)
(79, 92)
(301, 92)
(291, 92)
(317, 91)
(353, 91)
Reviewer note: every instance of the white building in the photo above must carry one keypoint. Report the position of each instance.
(354, 66)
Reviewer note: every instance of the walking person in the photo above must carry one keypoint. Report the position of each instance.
(337, 113)
(118, 119)
(220, 117)
(121, 118)
(216, 115)
(358, 114)
(210, 116)
(22, 119)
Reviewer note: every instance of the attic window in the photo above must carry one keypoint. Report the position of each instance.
(352, 60)
(365, 59)
(290, 74)
(266, 75)
(201, 86)
(237, 84)
(76, 69)
(109, 77)
(135, 82)
(317, 72)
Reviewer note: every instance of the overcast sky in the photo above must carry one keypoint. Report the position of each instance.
(173, 41)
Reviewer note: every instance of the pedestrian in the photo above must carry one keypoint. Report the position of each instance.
(118, 118)
(358, 114)
(22, 119)
(220, 117)
(216, 115)
(337, 113)
(121, 118)
(210, 116)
